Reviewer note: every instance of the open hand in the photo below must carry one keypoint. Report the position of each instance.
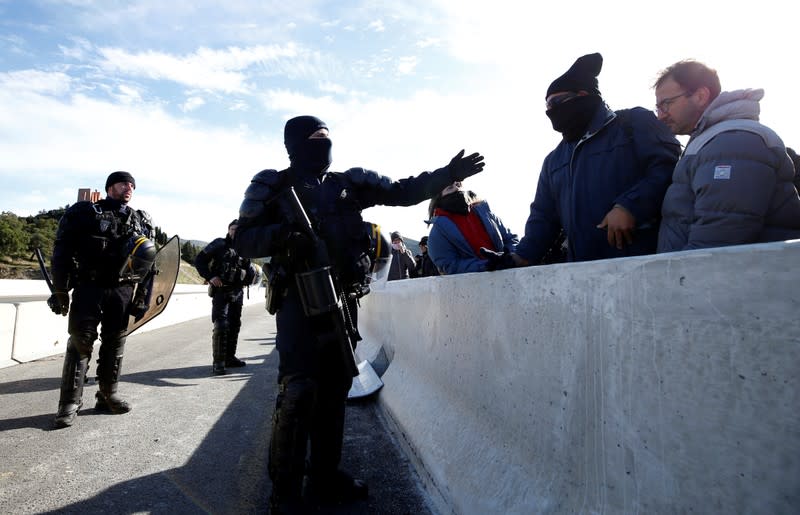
(461, 167)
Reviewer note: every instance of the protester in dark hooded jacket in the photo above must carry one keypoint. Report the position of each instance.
(605, 181)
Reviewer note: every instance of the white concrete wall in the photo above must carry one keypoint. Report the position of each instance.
(660, 384)
(29, 330)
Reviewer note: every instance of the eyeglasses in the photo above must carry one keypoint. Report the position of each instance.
(560, 99)
(663, 106)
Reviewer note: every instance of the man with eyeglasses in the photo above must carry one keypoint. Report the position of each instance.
(733, 183)
(604, 182)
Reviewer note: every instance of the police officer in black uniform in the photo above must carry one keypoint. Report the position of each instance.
(227, 273)
(102, 252)
(312, 385)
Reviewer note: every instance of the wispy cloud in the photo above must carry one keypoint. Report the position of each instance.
(206, 68)
(35, 81)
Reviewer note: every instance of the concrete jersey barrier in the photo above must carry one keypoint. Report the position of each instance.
(29, 330)
(657, 384)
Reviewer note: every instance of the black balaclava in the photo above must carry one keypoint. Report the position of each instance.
(456, 202)
(572, 117)
(307, 155)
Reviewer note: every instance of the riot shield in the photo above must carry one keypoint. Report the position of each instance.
(167, 265)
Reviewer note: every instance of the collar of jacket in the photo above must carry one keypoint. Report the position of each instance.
(601, 118)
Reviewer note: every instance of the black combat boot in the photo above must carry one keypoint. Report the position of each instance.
(73, 376)
(108, 400)
(218, 344)
(231, 361)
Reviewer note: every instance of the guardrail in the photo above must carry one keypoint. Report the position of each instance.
(29, 330)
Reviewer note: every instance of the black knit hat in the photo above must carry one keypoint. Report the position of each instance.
(396, 236)
(298, 129)
(582, 76)
(424, 240)
(116, 177)
(234, 222)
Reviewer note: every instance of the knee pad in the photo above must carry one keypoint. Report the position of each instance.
(82, 342)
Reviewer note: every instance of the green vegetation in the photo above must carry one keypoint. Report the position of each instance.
(20, 236)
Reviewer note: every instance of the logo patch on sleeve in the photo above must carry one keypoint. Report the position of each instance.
(722, 172)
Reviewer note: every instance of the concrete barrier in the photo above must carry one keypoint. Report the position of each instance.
(8, 314)
(659, 384)
(29, 330)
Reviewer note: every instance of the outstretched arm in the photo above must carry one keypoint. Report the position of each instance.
(413, 190)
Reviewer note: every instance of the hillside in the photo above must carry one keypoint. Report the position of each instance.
(29, 269)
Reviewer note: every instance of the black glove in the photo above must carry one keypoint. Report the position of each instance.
(59, 302)
(137, 309)
(497, 260)
(461, 167)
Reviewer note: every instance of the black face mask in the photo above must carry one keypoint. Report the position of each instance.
(572, 118)
(312, 155)
(457, 202)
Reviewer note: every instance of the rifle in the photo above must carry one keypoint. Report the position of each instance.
(322, 297)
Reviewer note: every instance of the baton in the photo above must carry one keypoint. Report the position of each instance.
(43, 269)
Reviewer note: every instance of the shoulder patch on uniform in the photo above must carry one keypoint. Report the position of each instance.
(722, 172)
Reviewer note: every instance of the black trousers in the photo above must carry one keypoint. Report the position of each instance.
(226, 308)
(310, 406)
(94, 305)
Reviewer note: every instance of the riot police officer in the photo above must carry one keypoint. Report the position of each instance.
(103, 253)
(227, 273)
(312, 382)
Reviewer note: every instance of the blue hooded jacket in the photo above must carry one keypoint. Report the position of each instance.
(450, 251)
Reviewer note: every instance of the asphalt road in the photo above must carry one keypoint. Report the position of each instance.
(193, 443)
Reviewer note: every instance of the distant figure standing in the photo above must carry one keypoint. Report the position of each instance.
(424, 264)
(402, 265)
(227, 274)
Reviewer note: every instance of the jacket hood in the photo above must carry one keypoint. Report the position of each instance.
(741, 104)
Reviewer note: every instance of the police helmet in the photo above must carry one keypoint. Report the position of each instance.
(140, 254)
(380, 253)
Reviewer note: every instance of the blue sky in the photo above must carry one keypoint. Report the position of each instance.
(191, 96)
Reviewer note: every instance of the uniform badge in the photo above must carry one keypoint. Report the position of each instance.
(104, 225)
(343, 194)
(722, 172)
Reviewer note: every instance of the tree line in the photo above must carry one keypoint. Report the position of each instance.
(20, 236)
